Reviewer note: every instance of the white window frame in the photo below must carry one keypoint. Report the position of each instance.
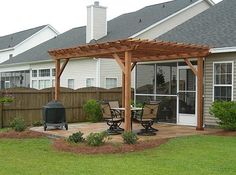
(111, 78)
(44, 69)
(73, 83)
(94, 83)
(7, 82)
(222, 85)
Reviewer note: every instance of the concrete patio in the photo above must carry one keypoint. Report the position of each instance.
(165, 131)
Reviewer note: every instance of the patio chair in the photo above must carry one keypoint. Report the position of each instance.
(115, 104)
(147, 118)
(113, 120)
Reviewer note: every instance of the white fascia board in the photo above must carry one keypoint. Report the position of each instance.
(210, 2)
(223, 50)
(167, 18)
(47, 26)
(7, 49)
(25, 63)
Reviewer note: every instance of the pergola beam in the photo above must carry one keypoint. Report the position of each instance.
(63, 67)
(191, 66)
(120, 63)
(57, 79)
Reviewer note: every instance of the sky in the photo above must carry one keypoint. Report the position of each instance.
(63, 15)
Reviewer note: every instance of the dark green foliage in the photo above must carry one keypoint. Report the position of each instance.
(96, 139)
(18, 124)
(93, 111)
(129, 138)
(225, 111)
(76, 137)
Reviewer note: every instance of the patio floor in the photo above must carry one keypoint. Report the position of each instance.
(165, 131)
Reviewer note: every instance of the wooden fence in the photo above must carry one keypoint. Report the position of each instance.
(28, 102)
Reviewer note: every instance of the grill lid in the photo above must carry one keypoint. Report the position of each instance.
(54, 104)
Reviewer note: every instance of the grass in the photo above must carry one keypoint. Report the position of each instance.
(189, 155)
(5, 129)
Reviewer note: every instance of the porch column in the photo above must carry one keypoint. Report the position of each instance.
(128, 56)
(123, 90)
(57, 80)
(199, 94)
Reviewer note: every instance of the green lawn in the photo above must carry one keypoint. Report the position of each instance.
(190, 155)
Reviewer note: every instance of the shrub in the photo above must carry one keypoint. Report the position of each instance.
(6, 99)
(93, 111)
(76, 137)
(37, 123)
(96, 139)
(18, 124)
(129, 137)
(225, 111)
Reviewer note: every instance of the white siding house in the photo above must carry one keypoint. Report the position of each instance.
(148, 22)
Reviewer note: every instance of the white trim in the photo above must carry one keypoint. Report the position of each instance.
(7, 49)
(159, 95)
(166, 61)
(223, 50)
(167, 18)
(225, 85)
(98, 73)
(22, 42)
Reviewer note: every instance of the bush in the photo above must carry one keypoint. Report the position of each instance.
(96, 139)
(129, 137)
(6, 99)
(76, 137)
(18, 124)
(93, 111)
(37, 123)
(225, 111)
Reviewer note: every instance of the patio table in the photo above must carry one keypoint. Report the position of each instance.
(133, 110)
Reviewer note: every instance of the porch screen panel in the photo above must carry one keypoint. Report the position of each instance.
(145, 79)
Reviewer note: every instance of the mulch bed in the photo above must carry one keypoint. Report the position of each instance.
(224, 133)
(21, 135)
(107, 148)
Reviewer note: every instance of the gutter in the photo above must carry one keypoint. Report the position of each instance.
(223, 50)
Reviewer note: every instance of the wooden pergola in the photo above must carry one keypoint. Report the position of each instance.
(127, 53)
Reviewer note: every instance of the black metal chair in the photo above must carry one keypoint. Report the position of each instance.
(112, 118)
(147, 118)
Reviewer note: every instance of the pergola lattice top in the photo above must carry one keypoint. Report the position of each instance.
(142, 50)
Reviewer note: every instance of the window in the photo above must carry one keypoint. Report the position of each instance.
(53, 72)
(7, 84)
(35, 84)
(71, 83)
(34, 73)
(44, 84)
(89, 82)
(111, 83)
(44, 72)
(223, 81)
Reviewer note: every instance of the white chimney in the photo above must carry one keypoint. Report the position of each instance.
(96, 22)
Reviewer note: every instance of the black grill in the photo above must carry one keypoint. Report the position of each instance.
(54, 115)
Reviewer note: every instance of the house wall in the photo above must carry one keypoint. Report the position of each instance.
(36, 39)
(208, 83)
(172, 22)
(78, 70)
(110, 69)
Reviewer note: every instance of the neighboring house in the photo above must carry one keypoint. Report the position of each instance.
(214, 27)
(14, 44)
(148, 22)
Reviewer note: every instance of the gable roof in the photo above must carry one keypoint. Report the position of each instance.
(120, 27)
(11, 40)
(214, 27)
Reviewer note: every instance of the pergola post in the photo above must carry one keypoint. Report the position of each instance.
(57, 80)
(123, 90)
(128, 56)
(200, 94)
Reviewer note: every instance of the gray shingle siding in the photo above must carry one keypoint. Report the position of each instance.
(208, 83)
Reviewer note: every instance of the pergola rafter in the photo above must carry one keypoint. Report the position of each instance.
(127, 53)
